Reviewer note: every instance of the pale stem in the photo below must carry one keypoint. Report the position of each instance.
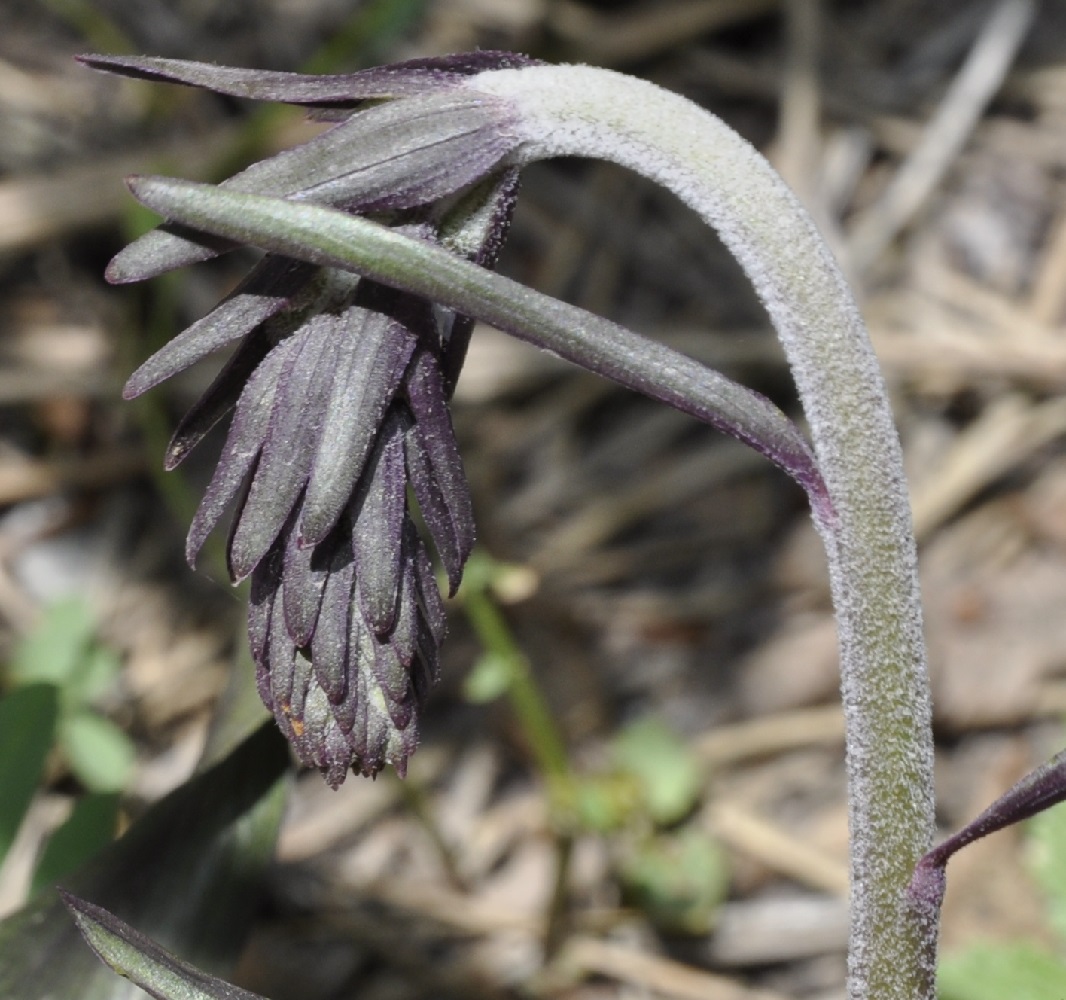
(582, 111)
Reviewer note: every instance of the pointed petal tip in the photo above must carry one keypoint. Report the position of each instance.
(118, 273)
(173, 457)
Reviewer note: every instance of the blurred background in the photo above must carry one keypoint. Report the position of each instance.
(656, 586)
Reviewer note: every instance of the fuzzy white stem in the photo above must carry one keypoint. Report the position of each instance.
(582, 111)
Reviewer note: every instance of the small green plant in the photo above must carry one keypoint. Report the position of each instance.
(644, 802)
(651, 784)
(57, 676)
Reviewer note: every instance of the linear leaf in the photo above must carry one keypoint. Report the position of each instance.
(142, 961)
(335, 239)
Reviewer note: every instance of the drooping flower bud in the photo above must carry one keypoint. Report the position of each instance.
(338, 392)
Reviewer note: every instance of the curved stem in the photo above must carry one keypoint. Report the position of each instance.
(581, 111)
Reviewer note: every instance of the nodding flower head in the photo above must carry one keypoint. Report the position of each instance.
(337, 391)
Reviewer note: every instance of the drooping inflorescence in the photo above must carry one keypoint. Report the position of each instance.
(337, 391)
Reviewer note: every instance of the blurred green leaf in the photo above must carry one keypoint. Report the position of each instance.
(27, 728)
(1047, 843)
(667, 770)
(96, 674)
(143, 962)
(996, 972)
(99, 753)
(600, 804)
(488, 679)
(679, 880)
(91, 825)
(56, 646)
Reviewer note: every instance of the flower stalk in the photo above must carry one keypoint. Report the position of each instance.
(579, 111)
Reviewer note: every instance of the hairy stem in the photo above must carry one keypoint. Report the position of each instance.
(580, 111)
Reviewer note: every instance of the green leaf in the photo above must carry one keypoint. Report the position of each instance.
(27, 729)
(1047, 844)
(96, 674)
(53, 650)
(143, 962)
(489, 679)
(997, 972)
(99, 753)
(91, 825)
(605, 804)
(678, 880)
(667, 771)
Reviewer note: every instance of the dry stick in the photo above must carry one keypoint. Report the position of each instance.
(800, 109)
(660, 976)
(967, 97)
(814, 727)
(27, 480)
(777, 849)
(1010, 431)
(948, 351)
(1048, 296)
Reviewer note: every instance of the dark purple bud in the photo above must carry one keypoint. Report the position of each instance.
(338, 391)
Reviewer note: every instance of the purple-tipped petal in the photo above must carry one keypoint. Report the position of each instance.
(218, 400)
(335, 754)
(425, 668)
(389, 672)
(429, 596)
(435, 467)
(329, 645)
(262, 294)
(241, 451)
(282, 661)
(395, 155)
(379, 508)
(290, 714)
(304, 578)
(404, 635)
(160, 250)
(373, 352)
(264, 590)
(291, 438)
